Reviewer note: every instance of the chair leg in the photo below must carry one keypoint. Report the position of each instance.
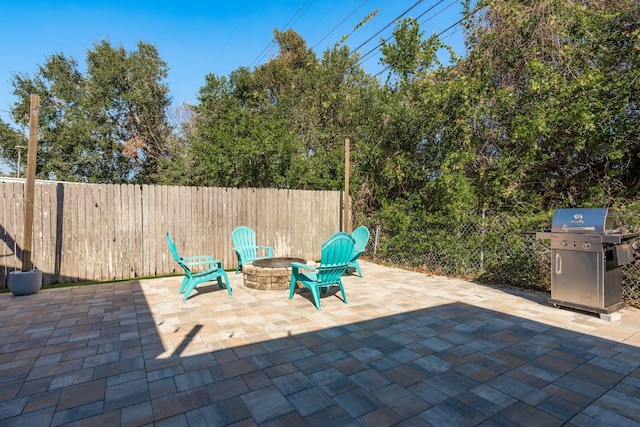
(344, 295)
(226, 280)
(188, 290)
(292, 285)
(357, 265)
(183, 285)
(316, 295)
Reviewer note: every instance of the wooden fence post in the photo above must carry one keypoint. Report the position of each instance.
(30, 184)
(347, 199)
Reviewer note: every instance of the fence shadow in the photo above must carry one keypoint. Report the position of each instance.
(58, 234)
(11, 259)
(16, 251)
(10, 242)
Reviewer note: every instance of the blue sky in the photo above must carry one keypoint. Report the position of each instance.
(199, 37)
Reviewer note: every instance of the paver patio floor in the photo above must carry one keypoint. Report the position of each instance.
(408, 349)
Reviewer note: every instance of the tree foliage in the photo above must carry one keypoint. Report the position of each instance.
(105, 125)
(541, 113)
(282, 124)
(558, 82)
(9, 140)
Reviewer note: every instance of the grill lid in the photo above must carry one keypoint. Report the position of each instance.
(586, 220)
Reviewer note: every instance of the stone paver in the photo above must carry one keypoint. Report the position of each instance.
(408, 349)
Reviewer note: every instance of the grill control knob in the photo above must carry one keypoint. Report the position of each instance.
(564, 243)
(586, 245)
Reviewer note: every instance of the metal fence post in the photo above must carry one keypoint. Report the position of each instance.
(482, 241)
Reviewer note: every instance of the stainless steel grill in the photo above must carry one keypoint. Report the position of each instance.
(588, 247)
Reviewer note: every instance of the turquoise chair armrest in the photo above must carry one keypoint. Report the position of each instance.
(268, 249)
(303, 266)
(201, 260)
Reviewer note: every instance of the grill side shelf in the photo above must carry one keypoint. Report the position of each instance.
(616, 239)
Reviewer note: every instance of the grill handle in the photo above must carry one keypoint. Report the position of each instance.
(558, 264)
(578, 229)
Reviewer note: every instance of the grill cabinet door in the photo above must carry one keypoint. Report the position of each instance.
(576, 277)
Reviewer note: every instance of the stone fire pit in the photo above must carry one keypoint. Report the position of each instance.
(269, 273)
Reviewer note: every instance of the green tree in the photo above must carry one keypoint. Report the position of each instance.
(282, 124)
(176, 163)
(415, 151)
(559, 96)
(238, 146)
(107, 125)
(9, 140)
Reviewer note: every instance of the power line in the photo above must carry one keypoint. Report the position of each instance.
(388, 38)
(364, 82)
(341, 22)
(458, 22)
(422, 23)
(291, 21)
(299, 13)
(389, 24)
(227, 42)
(437, 13)
(368, 55)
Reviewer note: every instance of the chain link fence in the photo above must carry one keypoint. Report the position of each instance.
(499, 250)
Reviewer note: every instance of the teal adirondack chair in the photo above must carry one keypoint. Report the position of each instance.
(193, 279)
(336, 253)
(361, 237)
(244, 245)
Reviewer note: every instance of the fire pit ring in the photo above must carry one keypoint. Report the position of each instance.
(269, 273)
(277, 262)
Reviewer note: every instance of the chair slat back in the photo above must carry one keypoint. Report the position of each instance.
(244, 240)
(174, 254)
(361, 236)
(336, 254)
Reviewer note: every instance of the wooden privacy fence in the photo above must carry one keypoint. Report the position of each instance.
(100, 232)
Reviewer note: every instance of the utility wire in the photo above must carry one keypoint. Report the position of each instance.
(356, 86)
(388, 25)
(362, 58)
(226, 43)
(364, 82)
(458, 22)
(341, 22)
(298, 14)
(366, 57)
(291, 21)
(438, 13)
